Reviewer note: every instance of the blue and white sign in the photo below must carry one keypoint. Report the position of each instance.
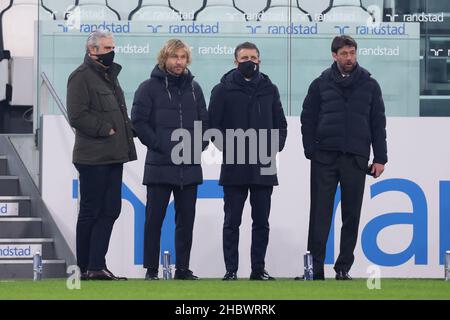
(405, 220)
(19, 251)
(9, 209)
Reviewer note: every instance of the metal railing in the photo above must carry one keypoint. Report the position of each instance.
(46, 86)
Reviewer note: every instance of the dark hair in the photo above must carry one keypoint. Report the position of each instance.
(342, 41)
(245, 45)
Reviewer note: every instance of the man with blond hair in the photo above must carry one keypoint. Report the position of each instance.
(170, 100)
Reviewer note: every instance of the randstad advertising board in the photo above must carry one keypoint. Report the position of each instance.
(292, 54)
(19, 251)
(405, 218)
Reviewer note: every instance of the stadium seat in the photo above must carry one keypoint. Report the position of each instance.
(92, 10)
(23, 85)
(253, 9)
(379, 3)
(350, 11)
(220, 10)
(154, 10)
(4, 76)
(43, 10)
(4, 5)
(18, 27)
(187, 9)
(57, 8)
(281, 11)
(314, 8)
(19, 34)
(5, 57)
(376, 8)
(439, 7)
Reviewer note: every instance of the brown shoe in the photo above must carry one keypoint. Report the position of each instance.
(118, 278)
(103, 274)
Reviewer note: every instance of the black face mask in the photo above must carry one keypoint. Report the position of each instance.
(106, 59)
(248, 68)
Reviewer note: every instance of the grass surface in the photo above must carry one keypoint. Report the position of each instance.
(215, 289)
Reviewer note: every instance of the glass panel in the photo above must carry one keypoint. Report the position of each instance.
(295, 49)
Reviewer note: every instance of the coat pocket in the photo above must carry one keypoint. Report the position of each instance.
(107, 100)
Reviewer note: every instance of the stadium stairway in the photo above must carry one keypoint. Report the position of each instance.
(26, 225)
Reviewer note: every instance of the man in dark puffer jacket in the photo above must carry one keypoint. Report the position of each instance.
(343, 115)
(246, 100)
(168, 101)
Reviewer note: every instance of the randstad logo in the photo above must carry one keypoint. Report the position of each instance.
(373, 30)
(12, 251)
(88, 28)
(195, 28)
(9, 209)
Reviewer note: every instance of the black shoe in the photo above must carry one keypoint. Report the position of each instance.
(343, 275)
(103, 274)
(260, 275)
(230, 275)
(117, 278)
(151, 274)
(84, 276)
(184, 274)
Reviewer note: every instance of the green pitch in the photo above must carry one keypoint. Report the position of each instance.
(215, 289)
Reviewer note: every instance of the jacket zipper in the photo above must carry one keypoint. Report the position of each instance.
(346, 125)
(181, 126)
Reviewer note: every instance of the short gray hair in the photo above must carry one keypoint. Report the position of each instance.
(94, 37)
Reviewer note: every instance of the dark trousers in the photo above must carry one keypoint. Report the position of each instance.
(100, 205)
(327, 170)
(158, 197)
(234, 200)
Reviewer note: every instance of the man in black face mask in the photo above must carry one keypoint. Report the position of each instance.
(103, 143)
(246, 99)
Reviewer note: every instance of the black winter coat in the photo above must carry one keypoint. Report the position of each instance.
(95, 105)
(346, 117)
(161, 105)
(240, 104)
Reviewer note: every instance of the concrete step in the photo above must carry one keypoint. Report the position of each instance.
(23, 269)
(9, 186)
(15, 206)
(3, 166)
(20, 228)
(12, 249)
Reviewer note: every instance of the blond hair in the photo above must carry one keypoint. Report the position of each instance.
(169, 48)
